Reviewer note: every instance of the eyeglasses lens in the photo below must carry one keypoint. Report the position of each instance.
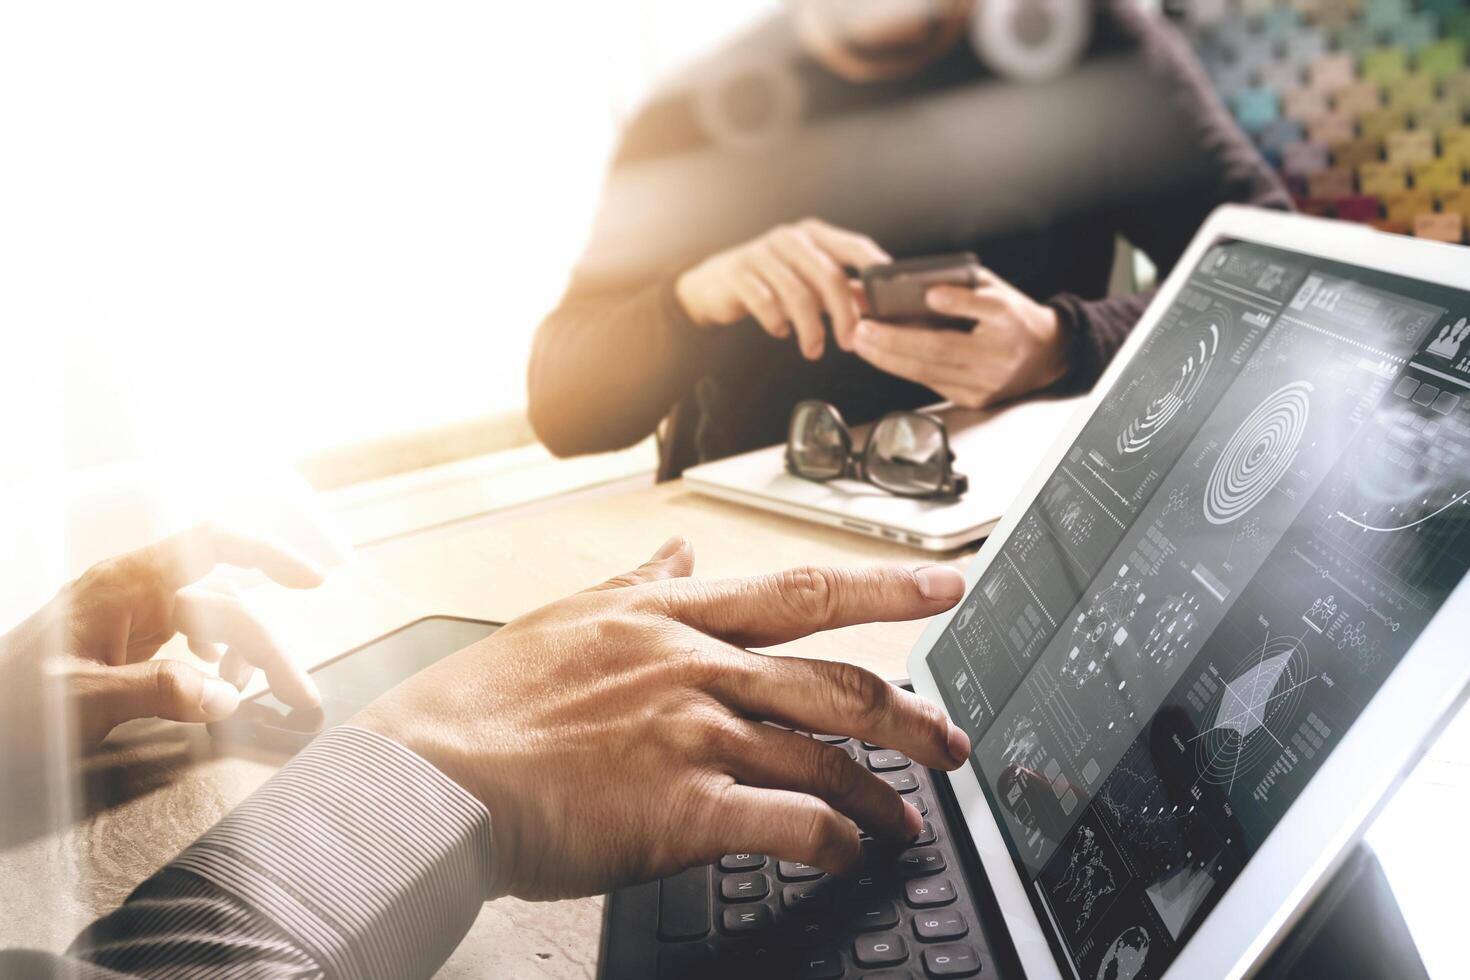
(907, 454)
(818, 443)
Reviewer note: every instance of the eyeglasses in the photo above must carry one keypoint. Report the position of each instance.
(907, 453)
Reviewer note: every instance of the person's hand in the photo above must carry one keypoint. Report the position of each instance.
(617, 735)
(1015, 347)
(88, 652)
(786, 279)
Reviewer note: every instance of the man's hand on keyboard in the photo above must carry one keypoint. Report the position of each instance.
(617, 735)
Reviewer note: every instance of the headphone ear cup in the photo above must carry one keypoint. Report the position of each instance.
(1030, 40)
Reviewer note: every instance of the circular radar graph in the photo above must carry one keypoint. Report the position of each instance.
(1249, 719)
(1182, 383)
(1258, 454)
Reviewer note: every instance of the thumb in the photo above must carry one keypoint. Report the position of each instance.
(162, 689)
(960, 301)
(674, 560)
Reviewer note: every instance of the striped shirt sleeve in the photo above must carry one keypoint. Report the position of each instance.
(358, 859)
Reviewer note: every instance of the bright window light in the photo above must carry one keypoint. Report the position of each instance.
(282, 226)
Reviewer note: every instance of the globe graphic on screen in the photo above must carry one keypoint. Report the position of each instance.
(1126, 956)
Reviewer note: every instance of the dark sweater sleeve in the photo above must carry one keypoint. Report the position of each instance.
(609, 363)
(358, 859)
(1228, 170)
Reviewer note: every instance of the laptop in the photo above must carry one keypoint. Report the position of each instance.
(1220, 622)
(995, 448)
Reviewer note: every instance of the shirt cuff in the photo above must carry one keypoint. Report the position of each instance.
(1093, 331)
(372, 859)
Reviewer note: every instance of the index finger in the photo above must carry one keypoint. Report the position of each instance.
(768, 609)
(847, 247)
(186, 557)
(966, 301)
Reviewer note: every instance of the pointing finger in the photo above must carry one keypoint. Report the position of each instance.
(768, 609)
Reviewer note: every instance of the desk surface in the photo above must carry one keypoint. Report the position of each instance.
(158, 786)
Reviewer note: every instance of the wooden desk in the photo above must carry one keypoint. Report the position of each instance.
(159, 786)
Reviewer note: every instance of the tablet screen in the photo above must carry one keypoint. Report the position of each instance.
(1252, 528)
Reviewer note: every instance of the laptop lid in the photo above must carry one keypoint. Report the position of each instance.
(987, 446)
(1221, 619)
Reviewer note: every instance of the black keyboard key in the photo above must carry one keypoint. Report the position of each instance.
(752, 956)
(918, 803)
(885, 760)
(742, 862)
(920, 861)
(745, 887)
(819, 964)
(867, 884)
(686, 961)
(927, 892)
(796, 871)
(874, 857)
(830, 739)
(925, 836)
(809, 897)
(746, 918)
(951, 960)
(683, 904)
(942, 924)
(810, 930)
(885, 949)
(904, 782)
(873, 914)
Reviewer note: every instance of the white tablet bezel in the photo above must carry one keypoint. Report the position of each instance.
(1377, 751)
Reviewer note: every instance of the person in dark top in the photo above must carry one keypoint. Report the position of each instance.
(715, 292)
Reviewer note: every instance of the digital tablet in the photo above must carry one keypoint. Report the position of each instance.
(1228, 611)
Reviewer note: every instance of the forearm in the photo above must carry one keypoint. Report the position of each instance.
(358, 859)
(608, 365)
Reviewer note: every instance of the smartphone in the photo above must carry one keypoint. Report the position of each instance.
(347, 683)
(895, 291)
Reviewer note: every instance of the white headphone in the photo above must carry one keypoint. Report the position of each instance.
(1030, 40)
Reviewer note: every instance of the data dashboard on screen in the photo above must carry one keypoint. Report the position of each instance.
(1265, 510)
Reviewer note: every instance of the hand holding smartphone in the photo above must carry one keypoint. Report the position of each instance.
(896, 291)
